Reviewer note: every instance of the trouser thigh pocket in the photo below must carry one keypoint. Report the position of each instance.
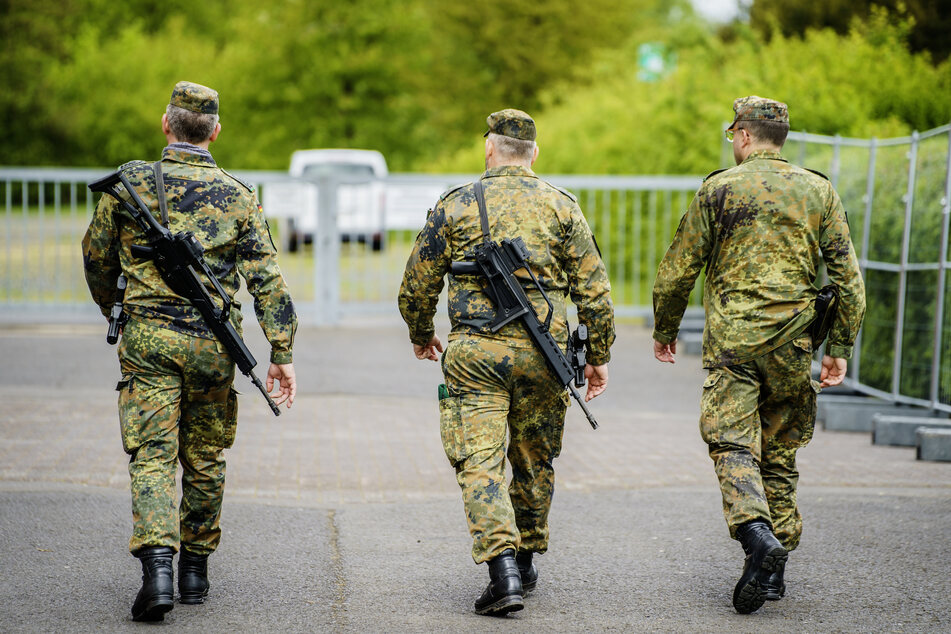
(450, 429)
(710, 409)
(809, 423)
(230, 423)
(129, 425)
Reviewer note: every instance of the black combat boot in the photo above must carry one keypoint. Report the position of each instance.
(776, 587)
(526, 570)
(504, 592)
(157, 594)
(192, 577)
(764, 555)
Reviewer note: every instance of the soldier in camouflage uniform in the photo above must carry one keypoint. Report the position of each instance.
(176, 400)
(761, 229)
(498, 385)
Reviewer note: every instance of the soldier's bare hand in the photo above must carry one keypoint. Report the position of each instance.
(833, 371)
(286, 387)
(429, 350)
(597, 376)
(664, 352)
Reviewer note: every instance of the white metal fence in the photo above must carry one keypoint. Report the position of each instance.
(896, 192)
(333, 274)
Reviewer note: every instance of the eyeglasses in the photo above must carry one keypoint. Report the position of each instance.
(730, 132)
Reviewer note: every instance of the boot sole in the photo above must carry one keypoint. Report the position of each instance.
(511, 603)
(193, 598)
(776, 595)
(526, 588)
(752, 595)
(155, 610)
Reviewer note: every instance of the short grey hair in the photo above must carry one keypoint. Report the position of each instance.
(510, 148)
(192, 127)
(771, 132)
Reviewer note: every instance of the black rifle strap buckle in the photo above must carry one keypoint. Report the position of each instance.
(160, 191)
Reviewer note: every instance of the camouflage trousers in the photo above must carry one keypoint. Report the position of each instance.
(498, 391)
(754, 416)
(176, 403)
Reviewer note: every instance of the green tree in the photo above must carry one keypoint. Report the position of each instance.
(932, 18)
(492, 54)
(865, 83)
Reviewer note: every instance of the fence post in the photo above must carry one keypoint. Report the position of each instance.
(24, 233)
(836, 161)
(903, 266)
(8, 249)
(326, 254)
(866, 230)
(942, 281)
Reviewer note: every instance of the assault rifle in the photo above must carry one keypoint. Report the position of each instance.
(178, 258)
(497, 263)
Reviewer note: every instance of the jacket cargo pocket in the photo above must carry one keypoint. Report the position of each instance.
(450, 429)
(803, 352)
(804, 343)
(710, 409)
(128, 414)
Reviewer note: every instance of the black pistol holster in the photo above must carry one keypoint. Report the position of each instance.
(827, 305)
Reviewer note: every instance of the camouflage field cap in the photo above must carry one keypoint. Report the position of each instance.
(513, 123)
(195, 97)
(755, 108)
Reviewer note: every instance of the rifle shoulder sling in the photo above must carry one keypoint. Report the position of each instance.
(160, 191)
(483, 213)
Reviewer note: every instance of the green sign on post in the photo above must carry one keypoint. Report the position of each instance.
(653, 61)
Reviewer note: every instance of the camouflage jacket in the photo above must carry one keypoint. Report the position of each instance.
(225, 216)
(760, 229)
(563, 257)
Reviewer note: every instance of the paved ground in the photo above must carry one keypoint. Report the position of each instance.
(343, 514)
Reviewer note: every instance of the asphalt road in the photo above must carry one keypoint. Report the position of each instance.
(343, 514)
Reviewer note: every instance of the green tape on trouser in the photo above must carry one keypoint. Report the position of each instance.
(176, 403)
(497, 390)
(754, 417)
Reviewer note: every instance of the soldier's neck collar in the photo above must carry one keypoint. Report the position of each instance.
(187, 153)
(765, 154)
(508, 170)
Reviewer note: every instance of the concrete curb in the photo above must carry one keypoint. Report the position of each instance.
(901, 431)
(691, 343)
(934, 444)
(854, 413)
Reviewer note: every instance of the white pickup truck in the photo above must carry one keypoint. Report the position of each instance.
(361, 199)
